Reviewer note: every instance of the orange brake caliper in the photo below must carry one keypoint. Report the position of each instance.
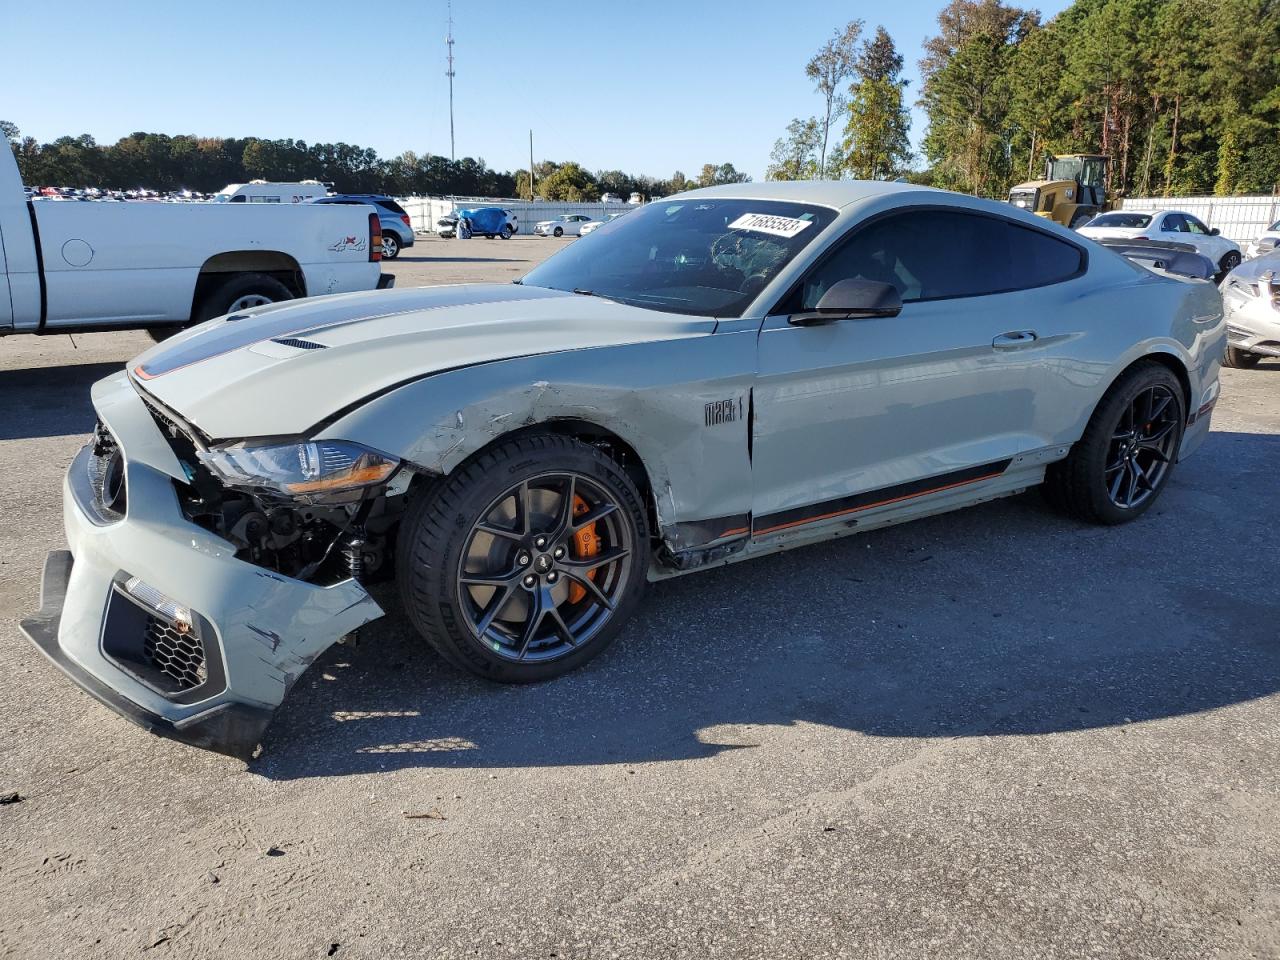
(585, 544)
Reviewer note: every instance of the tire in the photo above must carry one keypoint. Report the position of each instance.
(390, 246)
(1083, 484)
(1080, 219)
(1241, 359)
(1230, 260)
(507, 232)
(441, 537)
(559, 232)
(238, 292)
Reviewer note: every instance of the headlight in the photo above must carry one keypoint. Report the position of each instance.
(308, 469)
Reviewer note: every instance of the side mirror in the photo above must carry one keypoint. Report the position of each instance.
(853, 300)
(1214, 232)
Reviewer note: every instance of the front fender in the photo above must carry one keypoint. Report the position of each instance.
(654, 396)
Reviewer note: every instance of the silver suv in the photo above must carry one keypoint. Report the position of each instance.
(397, 229)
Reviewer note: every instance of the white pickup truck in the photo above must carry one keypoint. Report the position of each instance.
(75, 267)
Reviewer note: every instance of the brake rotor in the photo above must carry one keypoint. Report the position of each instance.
(586, 544)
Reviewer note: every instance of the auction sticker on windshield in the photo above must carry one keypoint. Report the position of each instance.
(764, 223)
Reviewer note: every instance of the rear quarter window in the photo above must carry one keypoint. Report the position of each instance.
(392, 206)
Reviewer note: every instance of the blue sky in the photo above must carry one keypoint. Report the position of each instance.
(644, 87)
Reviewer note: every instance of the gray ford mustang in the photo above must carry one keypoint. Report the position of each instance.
(719, 375)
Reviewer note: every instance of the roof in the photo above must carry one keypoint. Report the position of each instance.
(830, 193)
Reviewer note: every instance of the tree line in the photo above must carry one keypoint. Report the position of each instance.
(1183, 95)
(157, 161)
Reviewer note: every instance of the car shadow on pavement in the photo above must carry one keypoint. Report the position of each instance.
(1004, 619)
(51, 401)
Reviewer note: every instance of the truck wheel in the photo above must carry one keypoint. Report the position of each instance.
(1079, 220)
(525, 563)
(390, 246)
(506, 232)
(1116, 471)
(1241, 359)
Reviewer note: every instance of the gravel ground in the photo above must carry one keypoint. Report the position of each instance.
(996, 733)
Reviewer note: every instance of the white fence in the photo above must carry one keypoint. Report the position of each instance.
(425, 211)
(1239, 218)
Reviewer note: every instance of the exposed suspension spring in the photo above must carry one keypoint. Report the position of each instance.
(353, 553)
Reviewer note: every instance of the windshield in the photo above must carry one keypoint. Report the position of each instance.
(702, 257)
(1130, 220)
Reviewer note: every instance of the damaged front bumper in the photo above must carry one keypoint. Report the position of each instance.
(156, 617)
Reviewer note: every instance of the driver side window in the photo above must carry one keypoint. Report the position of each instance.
(941, 254)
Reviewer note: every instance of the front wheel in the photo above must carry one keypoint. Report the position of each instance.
(1080, 219)
(525, 563)
(1230, 260)
(506, 232)
(1116, 471)
(1241, 359)
(559, 231)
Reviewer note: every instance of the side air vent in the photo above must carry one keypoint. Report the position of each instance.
(298, 344)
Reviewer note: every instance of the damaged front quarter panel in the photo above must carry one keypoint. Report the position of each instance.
(653, 396)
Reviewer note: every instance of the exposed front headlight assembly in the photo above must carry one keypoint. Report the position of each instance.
(312, 469)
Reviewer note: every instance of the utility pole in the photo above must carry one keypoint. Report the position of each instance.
(531, 166)
(453, 155)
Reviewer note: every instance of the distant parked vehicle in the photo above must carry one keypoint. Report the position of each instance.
(1267, 243)
(594, 225)
(260, 191)
(447, 226)
(1251, 300)
(1175, 226)
(492, 221)
(397, 228)
(566, 225)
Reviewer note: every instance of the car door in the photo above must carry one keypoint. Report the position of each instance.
(858, 414)
(1212, 245)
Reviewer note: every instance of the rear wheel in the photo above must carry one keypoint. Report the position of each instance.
(524, 564)
(1241, 359)
(1122, 463)
(390, 246)
(240, 291)
(1080, 219)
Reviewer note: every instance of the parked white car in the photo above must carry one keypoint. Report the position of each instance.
(594, 225)
(566, 225)
(1267, 243)
(162, 266)
(1251, 301)
(1175, 226)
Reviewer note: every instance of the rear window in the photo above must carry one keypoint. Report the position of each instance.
(392, 206)
(1131, 221)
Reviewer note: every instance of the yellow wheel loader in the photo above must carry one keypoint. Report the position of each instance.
(1073, 191)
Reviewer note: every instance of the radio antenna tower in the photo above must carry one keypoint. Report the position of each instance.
(450, 74)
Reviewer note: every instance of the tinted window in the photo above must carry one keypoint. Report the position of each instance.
(934, 254)
(1175, 223)
(392, 206)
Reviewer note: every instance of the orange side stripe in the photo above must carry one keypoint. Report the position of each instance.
(880, 503)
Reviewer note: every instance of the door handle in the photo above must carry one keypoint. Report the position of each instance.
(1014, 338)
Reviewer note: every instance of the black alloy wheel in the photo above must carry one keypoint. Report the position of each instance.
(525, 562)
(1142, 447)
(544, 566)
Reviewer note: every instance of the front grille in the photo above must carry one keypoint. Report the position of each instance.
(179, 656)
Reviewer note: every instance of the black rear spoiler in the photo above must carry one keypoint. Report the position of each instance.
(1180, 259)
